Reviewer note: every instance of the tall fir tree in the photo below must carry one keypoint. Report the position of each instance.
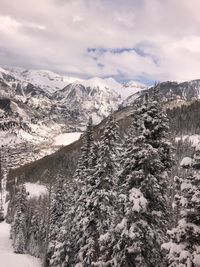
(33, 233)
(143, 189)
(86, 152)
(57, 213)
(63, 247)
(95, 205)
(71, 223)
(183, 250)
(18, 226)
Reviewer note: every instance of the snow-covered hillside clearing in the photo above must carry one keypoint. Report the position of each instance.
(66, 139)
(10, 259)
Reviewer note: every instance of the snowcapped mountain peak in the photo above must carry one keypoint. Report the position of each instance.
(124, 90)
(52, 82)
(102, 84)
(45, 79)
(135, 84)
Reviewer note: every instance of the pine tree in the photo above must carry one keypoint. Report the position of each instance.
(143, 193)
(57, 212)
(70, 227)
(18, 227)
(33, 222)
(61, 244)
(95, 205)
(86, 153)
(183, 250)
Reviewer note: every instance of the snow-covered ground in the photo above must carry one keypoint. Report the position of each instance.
(66, 138)
(194, 139)
(7, 257)
(35, 189)
(186, 162)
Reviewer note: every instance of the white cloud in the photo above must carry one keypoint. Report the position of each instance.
(8, 24)
(55, 34)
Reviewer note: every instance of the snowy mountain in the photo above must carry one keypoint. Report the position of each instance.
(123, 89)
(84, 101)
(51, 81)
(54, 94)
(38, 105)
(172, 92)
(63, 98)
(45, 79)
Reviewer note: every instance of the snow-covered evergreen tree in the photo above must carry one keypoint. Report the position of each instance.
(183, 250)
(92, 239)
(57, 212)
(143, 189)
(101, 200)
(86, 152)
(18, 227)
(33, 232)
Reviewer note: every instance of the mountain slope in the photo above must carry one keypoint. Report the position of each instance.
(31, 116)
(45, 79)
(62, 98)
(171, 91)
(51, 82)
(184, 120)
(35, 106)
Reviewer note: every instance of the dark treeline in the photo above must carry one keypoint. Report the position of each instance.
(185, 119)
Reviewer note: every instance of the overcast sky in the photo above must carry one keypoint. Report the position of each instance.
(126, 39)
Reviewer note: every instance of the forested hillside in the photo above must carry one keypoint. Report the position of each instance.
(119, 205)
(183, 120)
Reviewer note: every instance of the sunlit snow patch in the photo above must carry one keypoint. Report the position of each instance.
(35, 189)
(66, 138)
(10, 259)
(186, 162)
(194, 139)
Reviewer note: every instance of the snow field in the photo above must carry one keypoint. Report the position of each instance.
(7, 257)
(35, 189)
(66, 138)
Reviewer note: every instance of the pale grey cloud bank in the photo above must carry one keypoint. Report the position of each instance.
(126, 39)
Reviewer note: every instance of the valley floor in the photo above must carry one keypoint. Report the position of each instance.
(7, 257)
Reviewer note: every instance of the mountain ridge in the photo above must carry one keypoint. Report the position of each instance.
(40, 114)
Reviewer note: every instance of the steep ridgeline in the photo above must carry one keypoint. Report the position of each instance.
(173, 92)
(82, 102)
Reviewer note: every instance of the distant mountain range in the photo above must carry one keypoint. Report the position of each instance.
(52, 82)
(37, 105)
(66, 96)
(171, 92)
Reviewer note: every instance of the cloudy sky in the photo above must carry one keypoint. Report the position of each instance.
(142, 40)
